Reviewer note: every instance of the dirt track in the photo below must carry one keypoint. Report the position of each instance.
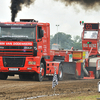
(13, 88)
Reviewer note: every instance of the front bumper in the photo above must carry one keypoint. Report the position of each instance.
(25, 68)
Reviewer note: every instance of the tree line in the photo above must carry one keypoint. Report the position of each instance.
(66, 41)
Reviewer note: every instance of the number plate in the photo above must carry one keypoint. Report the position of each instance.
(13, 69)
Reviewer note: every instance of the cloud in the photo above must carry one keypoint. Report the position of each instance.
(54, 13)
(85, 4)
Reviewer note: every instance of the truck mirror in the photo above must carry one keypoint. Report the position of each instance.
(42, 33)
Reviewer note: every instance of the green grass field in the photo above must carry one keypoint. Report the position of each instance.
(90, 97)
(78, 97)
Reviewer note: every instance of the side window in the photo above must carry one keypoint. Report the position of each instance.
(99, 46)
(38, 32)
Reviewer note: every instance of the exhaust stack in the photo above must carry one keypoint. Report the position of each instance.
(28, 20)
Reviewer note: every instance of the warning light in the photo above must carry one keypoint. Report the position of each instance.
(89, 42)
(81, 22)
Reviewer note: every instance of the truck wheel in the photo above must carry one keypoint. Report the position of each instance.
(39, 77)
(3, 76)
(60, 73)
(97, 75)
(21, 77)
(25, 77)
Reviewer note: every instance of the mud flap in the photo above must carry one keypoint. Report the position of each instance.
(69, 69)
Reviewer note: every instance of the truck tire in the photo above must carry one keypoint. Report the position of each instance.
(25, 77)
(60, 73)
(21, 77)
(3, 76)
(97, 75)
(40, 76)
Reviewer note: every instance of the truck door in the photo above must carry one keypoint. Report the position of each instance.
(39, 40)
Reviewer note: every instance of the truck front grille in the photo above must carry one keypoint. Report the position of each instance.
(13, 61)
(16, 50)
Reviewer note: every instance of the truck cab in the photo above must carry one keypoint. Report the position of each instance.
(91, 38)
(91, 43)
(23, 47)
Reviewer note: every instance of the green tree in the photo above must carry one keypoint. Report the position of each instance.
(51, 36)
(77, 42)
(64, 40)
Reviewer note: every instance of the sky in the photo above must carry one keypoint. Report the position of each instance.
(53, 12)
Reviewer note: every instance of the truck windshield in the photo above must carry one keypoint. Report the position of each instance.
(90, 34)
(17, 32)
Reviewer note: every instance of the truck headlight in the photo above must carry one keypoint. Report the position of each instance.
(31, 62)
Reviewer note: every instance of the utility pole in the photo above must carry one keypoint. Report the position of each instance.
(57, 34)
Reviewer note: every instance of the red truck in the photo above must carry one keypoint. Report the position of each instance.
(25, 50)
(91, 43)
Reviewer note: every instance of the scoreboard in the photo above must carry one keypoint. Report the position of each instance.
(91, 26)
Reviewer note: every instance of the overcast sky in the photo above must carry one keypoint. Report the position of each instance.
(55, 13)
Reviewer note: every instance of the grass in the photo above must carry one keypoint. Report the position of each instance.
(89, 97)
(84, 96)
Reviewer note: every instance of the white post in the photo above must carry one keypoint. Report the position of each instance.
(57, 34)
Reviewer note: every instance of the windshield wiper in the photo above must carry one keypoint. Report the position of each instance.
(15, 39)
(24, 38)
(8, 39)
(5, 38)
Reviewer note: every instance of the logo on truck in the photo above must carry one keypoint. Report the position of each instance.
(89, 45)
(17, 43)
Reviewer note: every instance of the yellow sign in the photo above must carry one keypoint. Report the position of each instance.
(77, 54)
